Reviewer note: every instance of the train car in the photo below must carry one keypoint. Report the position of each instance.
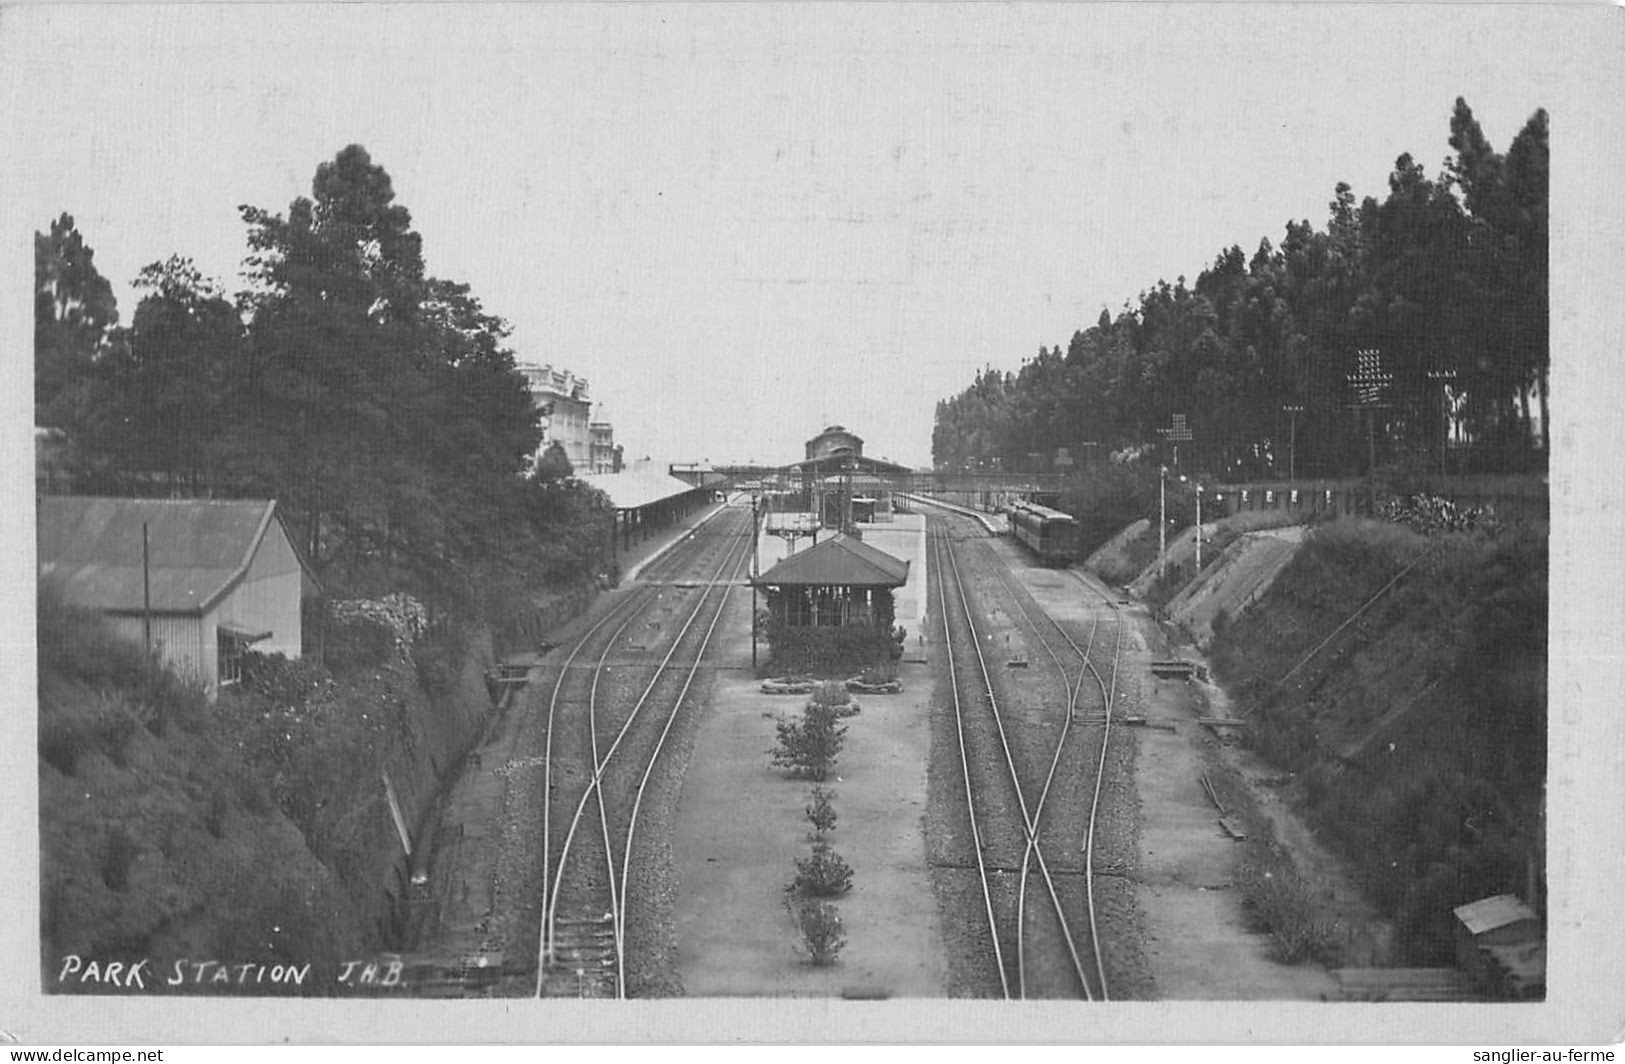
(1050, 534)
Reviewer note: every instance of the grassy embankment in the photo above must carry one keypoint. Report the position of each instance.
(1416, 734)
(251, 830)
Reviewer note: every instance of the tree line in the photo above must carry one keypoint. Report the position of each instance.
(1425, 313)
(380, 405)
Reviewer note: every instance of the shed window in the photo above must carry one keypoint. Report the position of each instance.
(232, 642)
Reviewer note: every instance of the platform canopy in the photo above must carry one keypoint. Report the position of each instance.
(633, 489)
(840, 561)
(834, 464)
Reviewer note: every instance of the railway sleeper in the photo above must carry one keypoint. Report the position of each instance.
(970, 866)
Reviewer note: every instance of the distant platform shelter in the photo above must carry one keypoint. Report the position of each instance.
(646, 499)
(839, 582)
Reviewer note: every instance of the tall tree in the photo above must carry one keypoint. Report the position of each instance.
(381, 403)
(158, 396)
(336, 286)
(74, 309)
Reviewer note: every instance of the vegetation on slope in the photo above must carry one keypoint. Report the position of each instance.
(156, 838)
(1416, 729)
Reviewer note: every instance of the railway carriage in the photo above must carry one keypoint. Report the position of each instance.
(1050, 534)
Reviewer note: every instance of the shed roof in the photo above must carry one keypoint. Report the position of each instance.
(1487, 914)
(198, 549)
(633, 488)
(840, 561)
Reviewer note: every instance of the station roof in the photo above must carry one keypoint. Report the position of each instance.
(838, 463)
(840, 561)
(632, 489)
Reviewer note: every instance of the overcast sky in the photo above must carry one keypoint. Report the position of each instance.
(741, 222)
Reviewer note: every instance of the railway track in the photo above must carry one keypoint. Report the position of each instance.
(1050, 942)
(608, 722)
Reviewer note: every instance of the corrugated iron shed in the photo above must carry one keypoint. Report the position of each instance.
(1520, 968)
(840, 561)
(1487, 914)
(90, 548)
(632, 489)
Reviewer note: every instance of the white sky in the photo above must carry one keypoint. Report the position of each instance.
(740, 221)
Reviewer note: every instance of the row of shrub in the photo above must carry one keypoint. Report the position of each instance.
(829, 651)
(808, 749)
(821, 876)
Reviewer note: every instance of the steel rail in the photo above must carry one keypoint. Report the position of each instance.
(660, 745)
(964, 769)
(1028, 821)
(1109, 695)
(1074, 689)
(632, 606)
(594, 787)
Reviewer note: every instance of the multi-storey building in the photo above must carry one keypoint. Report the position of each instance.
(566, 412)
(605, 455)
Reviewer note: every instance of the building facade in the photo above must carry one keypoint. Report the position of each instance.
(604, 455)
(834, 441)
(566, 412)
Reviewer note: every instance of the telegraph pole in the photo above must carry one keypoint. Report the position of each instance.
(755, 574)
(146, 587)
(1370, 382)
(1292, 413)
(1176, 433)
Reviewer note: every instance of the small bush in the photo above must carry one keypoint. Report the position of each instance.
(823, 875)
(283, 681)
(808, 747)
(118, 854)
(436, 669)
(356, 642)
(822, 810)
(1278, 902)
(102, 722)
(214, 821)
(830, 651)
(833, 696)
(822, 933)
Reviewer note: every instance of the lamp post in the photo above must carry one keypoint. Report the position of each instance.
(1292, 413)
(1176, 433)
(1198, 528)
(1162, 524)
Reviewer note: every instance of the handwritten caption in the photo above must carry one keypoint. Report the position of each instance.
(86, 972)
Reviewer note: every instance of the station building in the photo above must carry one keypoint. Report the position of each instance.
(840, 582)
(839, 483)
